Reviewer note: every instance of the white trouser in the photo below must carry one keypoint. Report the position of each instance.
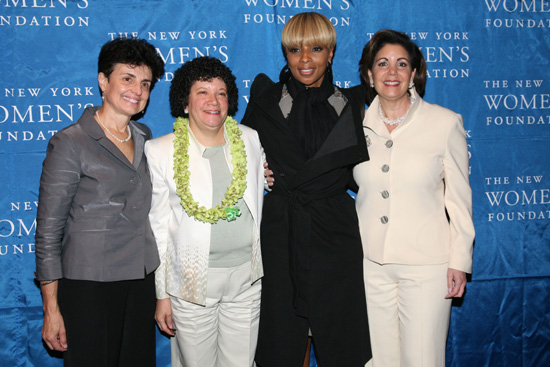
(408, 314)
(223, 333)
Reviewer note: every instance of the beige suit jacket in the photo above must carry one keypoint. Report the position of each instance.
(414, 201)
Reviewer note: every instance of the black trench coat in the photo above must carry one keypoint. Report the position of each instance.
(313, 258)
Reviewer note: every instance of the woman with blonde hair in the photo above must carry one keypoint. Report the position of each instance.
(312, 135)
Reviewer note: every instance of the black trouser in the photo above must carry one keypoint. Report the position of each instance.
(109, 324)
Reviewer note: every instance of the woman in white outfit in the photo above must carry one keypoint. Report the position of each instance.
(414, 206)
(208, 189)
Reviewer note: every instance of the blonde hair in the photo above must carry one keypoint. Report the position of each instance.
(310, 29)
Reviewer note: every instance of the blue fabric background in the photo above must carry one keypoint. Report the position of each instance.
(487, 59)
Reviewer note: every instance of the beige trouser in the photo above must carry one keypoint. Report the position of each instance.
(408, 314)
(224, 332)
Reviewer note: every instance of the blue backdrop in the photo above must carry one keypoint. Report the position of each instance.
(487, 59)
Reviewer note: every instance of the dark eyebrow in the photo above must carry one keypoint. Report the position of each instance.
(135, 77)
(399, 59)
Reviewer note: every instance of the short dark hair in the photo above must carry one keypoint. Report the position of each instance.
(130, 51)
(203, 68)
(391, 37)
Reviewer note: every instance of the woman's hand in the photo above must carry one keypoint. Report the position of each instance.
(53, 331)
(268, 175)
(53, 327)
(456, 283)
(163, 316)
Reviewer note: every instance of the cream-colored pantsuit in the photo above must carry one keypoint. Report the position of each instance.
(414, 206)
(407, 308)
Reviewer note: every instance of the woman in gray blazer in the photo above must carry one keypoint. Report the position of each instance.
(95, 251)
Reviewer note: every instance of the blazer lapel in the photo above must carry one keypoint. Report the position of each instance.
(92, 128)
(139, 144)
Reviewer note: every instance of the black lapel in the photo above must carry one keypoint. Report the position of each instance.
(345, 144)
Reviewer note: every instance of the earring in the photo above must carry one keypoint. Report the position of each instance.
(186, 111)
(371, 84)
(411, 84)
(103, 96)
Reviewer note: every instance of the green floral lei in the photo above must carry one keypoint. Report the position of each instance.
(226, 209)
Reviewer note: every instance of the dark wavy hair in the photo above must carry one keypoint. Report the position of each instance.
(379, 40)
(203, 68)
(130, 51)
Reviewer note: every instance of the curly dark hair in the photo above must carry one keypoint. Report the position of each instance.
(203, 68)
(391, 37)
(130, 51)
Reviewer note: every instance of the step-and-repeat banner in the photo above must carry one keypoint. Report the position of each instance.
(487, 59)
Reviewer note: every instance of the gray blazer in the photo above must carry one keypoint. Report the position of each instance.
(92, 221)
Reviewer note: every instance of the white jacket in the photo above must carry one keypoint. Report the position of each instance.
(415, 177)
(184, 242)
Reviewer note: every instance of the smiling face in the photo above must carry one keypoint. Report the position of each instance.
(207, 107)
(391, 73)
(126, 90)
(308, 63)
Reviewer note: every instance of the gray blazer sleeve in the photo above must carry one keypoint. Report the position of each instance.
(58, 185)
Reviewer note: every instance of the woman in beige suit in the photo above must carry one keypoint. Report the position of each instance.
(414, 206)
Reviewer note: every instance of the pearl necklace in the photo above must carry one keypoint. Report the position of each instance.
(113, 135)
(398, 120)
